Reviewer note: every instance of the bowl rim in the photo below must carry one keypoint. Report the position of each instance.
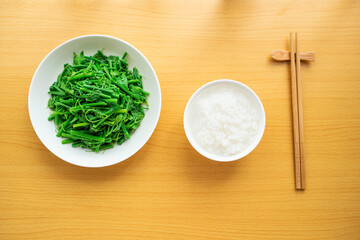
(31, 89)
(215, 157)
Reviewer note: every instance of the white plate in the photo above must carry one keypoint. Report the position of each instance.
(53, 65)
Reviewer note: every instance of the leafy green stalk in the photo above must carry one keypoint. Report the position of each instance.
(97, 101)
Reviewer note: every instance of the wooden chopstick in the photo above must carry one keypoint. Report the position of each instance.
(300, 113)
(295, 113)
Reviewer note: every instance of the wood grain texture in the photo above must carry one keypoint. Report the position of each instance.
(167, 190)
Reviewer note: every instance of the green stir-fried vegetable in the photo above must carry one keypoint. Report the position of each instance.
(97, 101)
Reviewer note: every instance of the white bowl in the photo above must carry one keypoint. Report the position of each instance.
(47, 73)
(190, 118)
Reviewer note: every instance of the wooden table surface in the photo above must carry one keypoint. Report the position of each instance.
(167, 190)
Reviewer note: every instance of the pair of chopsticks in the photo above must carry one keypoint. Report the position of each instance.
(297, 106)
(295, 56)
